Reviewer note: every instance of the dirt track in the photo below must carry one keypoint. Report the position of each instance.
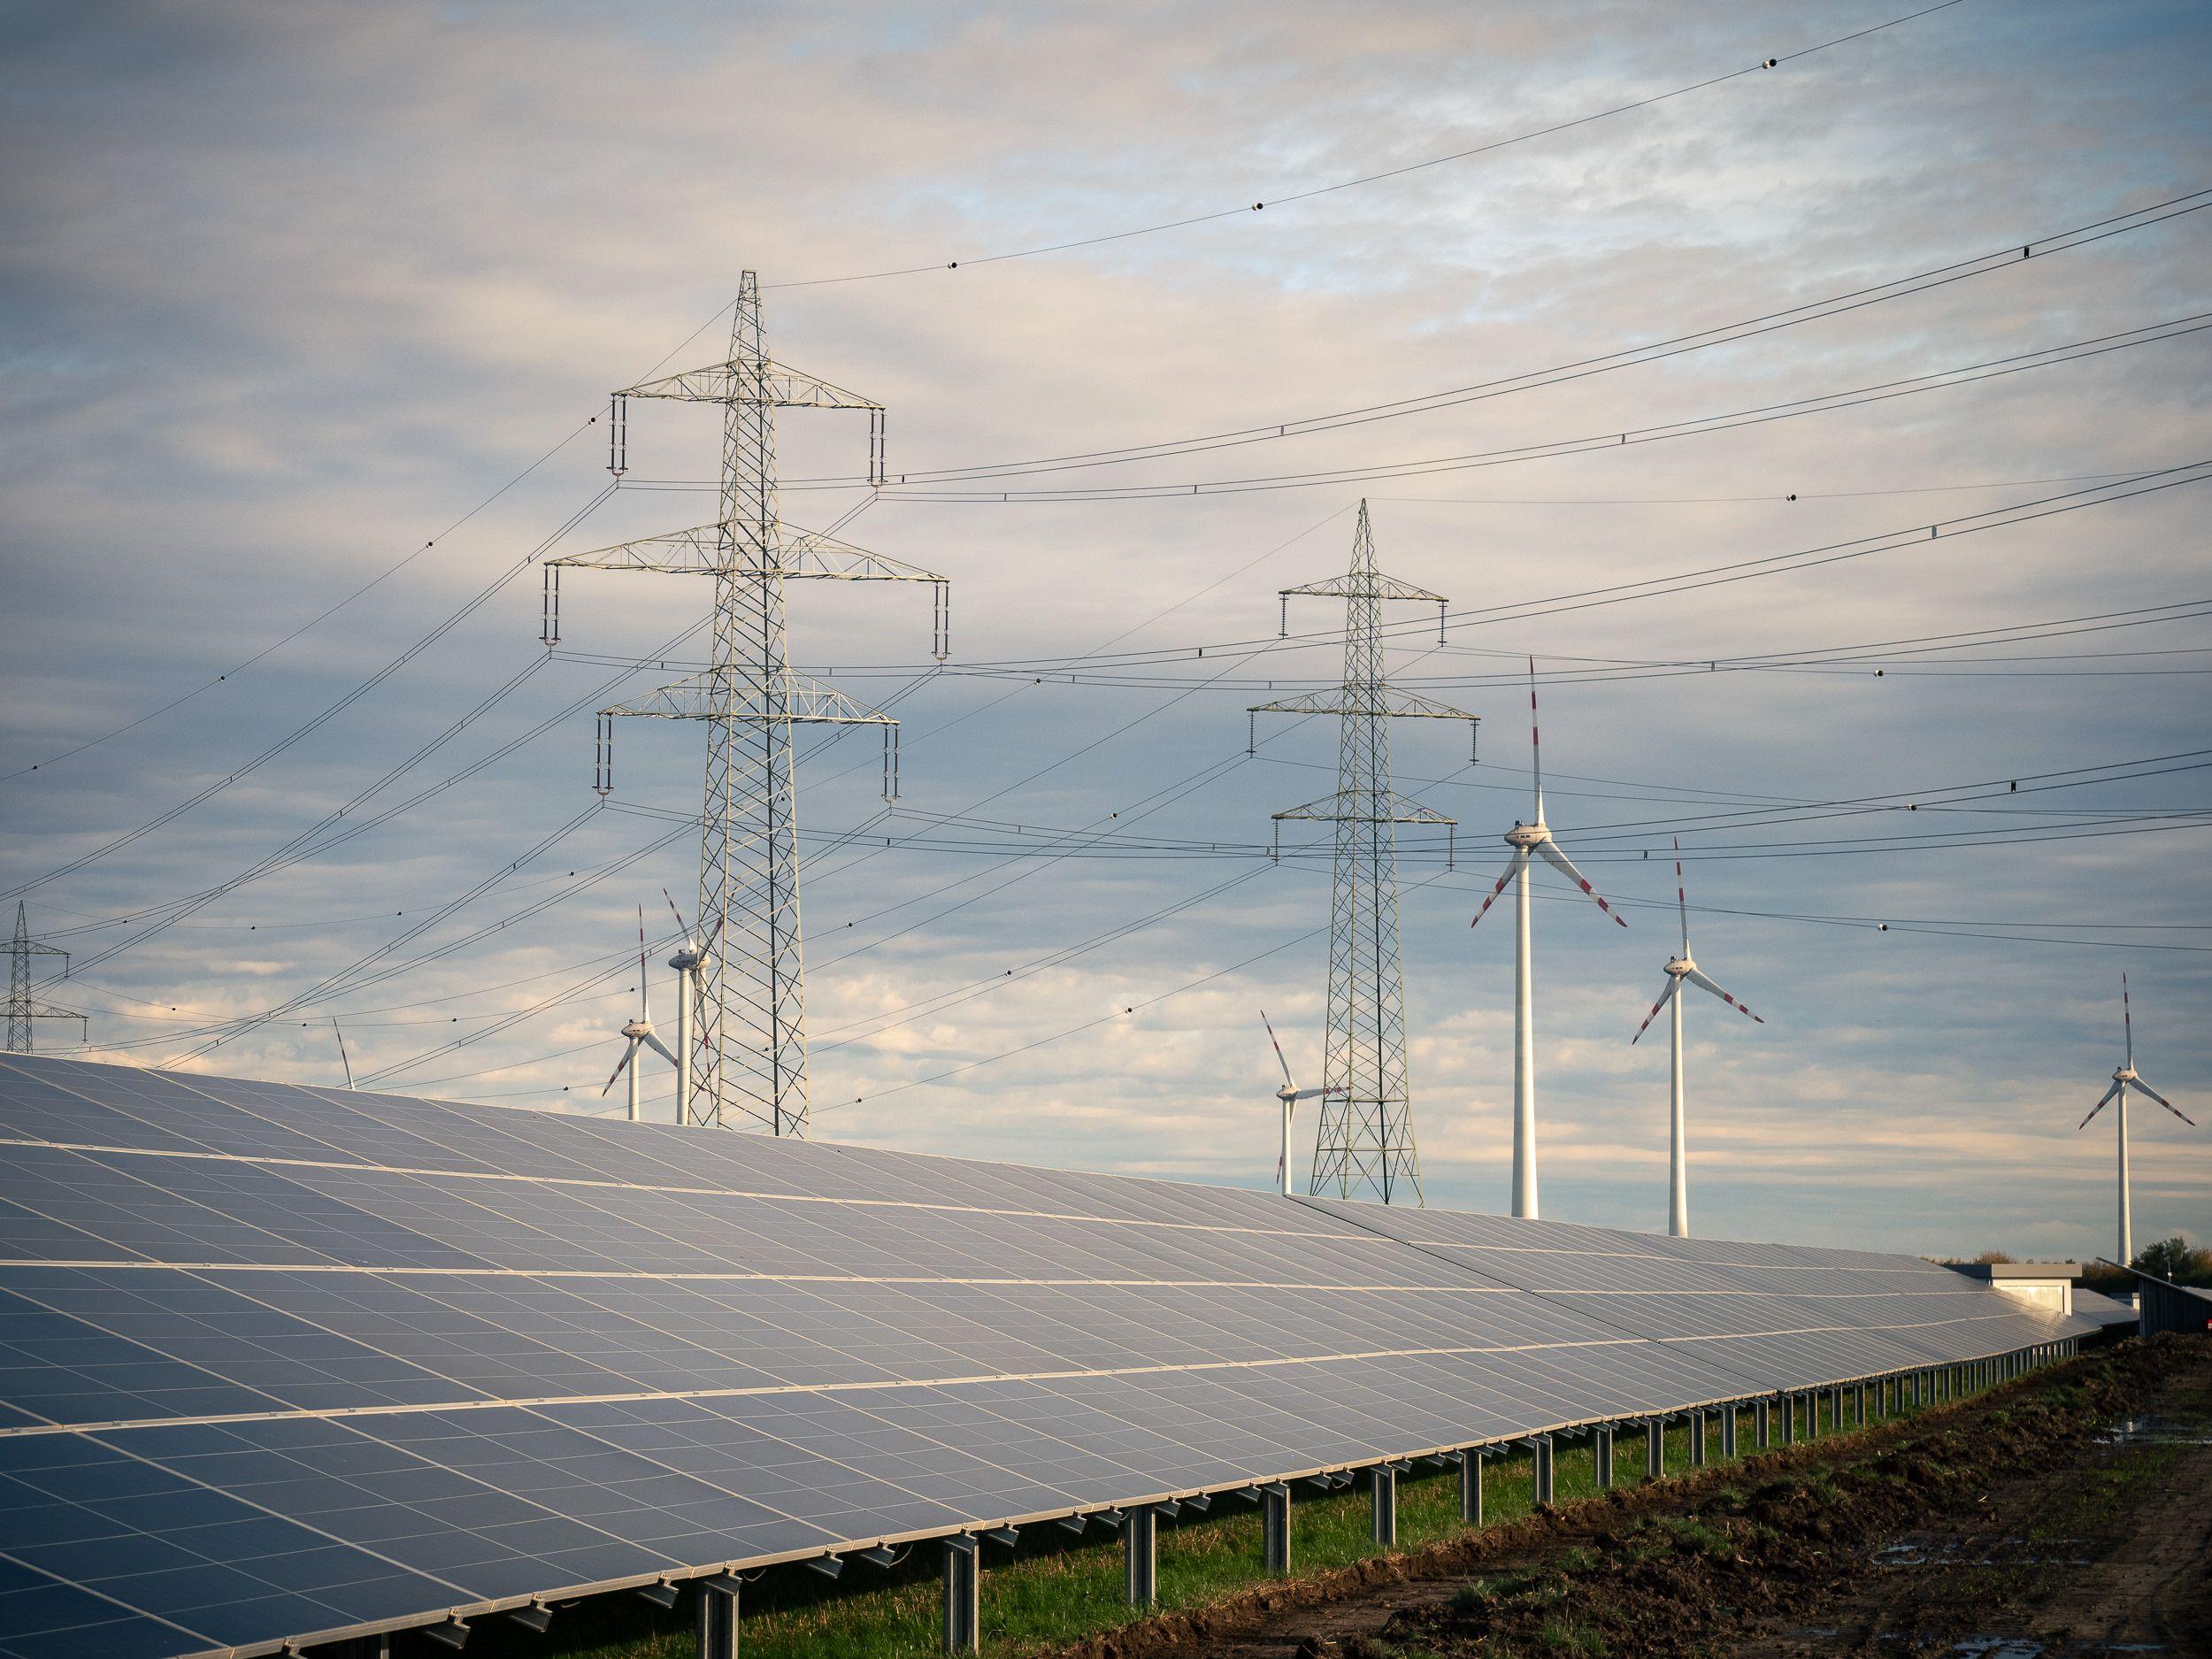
(2005, 1519)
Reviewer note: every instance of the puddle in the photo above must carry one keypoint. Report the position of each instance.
(2153, 1431)
(1950, 1552)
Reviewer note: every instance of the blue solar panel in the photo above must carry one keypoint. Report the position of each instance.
(280, 1364)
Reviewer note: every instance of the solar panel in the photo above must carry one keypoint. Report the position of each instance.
(284, 1365)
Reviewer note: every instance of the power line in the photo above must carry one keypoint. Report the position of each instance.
(1310, 192)
(2009, 257)
(1826, 402)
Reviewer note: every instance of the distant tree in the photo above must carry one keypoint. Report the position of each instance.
(2107, 1279)
(2178, 1259)
(1990, 1257)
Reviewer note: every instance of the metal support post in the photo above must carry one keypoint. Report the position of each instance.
(963, 1585)
(1602, 1455)
(1835, 1410)
(1541, 1463)
(1275, 1527)
(1471, 1487)
(1858, 1405)
(718, 1618)
(1656, 1449)
(1382, 1486)
(1140, 1551)
(1762, 1424)
(1697, 1438)
(1789, 1419)
(1728, 1432)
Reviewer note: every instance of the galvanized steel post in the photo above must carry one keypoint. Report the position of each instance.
(1471, 1486)
(964, 1596)
(1140, 1555)
(1602, 1455)
(1275, 1527)
(1382, 1486)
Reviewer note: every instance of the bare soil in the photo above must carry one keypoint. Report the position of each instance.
(2013, 1524)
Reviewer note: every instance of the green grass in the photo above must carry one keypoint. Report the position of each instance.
(1057, 1589)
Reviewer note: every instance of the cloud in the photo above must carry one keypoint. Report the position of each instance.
(293, 292)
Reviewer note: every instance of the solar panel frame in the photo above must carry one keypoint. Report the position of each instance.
(414, 1358)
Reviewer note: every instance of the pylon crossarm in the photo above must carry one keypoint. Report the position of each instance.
(1364, 585)
(761, 382)
(1388, 700)
(803, 702)
(700, 552)
(1364, 807)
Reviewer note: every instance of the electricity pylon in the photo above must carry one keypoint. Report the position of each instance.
(1364, 1145)
(748, 1040)
(23, 1008)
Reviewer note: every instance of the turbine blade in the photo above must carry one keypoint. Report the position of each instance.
(1698, 978)
(2127, 1018)
(653, 1042)
(2103, 1100)
(682, 926)
(1290, 1082)
(1535, 748)
(644, 1003)
(628, 1054)
(1512, 868)
(1560, 862)
(2168, 1104)
(1673, 985)
(1681, 899)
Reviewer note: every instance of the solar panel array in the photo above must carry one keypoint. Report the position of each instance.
(2100, 1309)
(283, 1364)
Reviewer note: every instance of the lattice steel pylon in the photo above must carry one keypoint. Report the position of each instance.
(1364, 1145)
(23, 1008)
(748, 1035)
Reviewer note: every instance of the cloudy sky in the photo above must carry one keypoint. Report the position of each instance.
(309, 310)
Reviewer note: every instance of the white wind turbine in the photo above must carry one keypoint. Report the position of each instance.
(640, 1030)
(1678, 969)
(2123, 1076)
(1289, 1095)
(1529, 841)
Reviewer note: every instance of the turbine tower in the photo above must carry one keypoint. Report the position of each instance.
(23, 1008)
(1677, 970)
(2124, 1076)
(748, 1040)
(640, 1032)
(1288, 1097)
(1529, 841)
(1364, 1144)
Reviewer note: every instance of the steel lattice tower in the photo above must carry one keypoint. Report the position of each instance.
(748, 1044)
(23, 1008)
(1364, 1146)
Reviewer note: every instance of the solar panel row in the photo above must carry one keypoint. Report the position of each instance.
(281, 1364)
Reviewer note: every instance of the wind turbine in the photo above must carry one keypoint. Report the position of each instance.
(2122, 1075)
(1289, 1095)
(640, 1030)
(690, 952)
(1530, 842)
(1677, 970)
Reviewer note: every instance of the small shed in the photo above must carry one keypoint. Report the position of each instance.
(2046, 1285)
(2161, 1305)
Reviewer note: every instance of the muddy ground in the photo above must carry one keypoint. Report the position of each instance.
(2069, 1513)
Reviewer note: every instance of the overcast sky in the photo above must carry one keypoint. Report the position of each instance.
(291, 292)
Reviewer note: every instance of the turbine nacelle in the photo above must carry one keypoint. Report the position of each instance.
(1681, 967)
(1528, 837)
